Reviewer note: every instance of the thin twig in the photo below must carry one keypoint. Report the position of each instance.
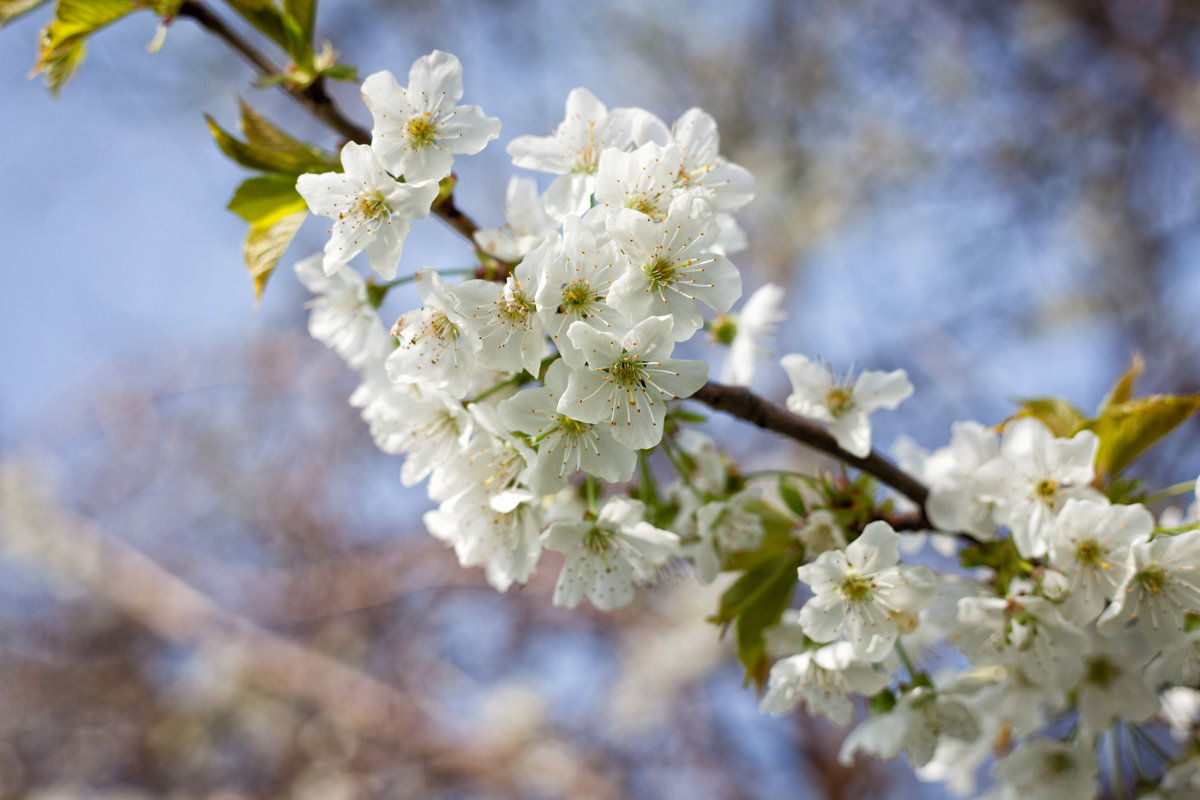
(315, 99)
(740, 402)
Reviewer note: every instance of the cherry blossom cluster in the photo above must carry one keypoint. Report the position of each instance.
(533, 395)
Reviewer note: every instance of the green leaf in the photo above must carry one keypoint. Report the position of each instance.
(254, 156)
(11, 9)
(62, 47)
(265, 245)
(278, 26)
(340, 72)
(261, 132)
(264, 199)
(304, 12)
(1128, 429)
(1062, 418)
(1122, 390)
(763, 594)
(791, 497)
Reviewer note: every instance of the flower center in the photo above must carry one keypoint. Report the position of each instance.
(855, 588)
(515, 305)
(1046, 490)
(442, 327)
(626, 371)
(572, 427)
(660, 271)
(422, 131)
(597, 540)
(1090, 552)
(644, 206)
(840, 399)
(1102, 672)
(1059, 763)
(1152, 579)
(372, 207)
(576, 298)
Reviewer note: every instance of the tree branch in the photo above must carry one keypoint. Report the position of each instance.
(315, 99)
(740, 402)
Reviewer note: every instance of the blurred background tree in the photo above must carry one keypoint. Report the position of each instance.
(1000, 198)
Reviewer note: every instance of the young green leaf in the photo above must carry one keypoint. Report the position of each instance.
(1062, 418)
(1128, 429)
(1122, 390)
(62, 42)
(791, 497)
(265, 245)
(764, 596)
(261, 132)
(264, 199)
(253, 156)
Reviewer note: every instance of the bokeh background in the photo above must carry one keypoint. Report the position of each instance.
(212, 585)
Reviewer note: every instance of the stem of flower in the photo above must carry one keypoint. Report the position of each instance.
(673, 457)
(515, 380)
(1170, 491)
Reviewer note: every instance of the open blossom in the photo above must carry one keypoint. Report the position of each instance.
(822, 679)
(608, 557)
(643, 180)
(370, 210)
(419, 128)
(575, 285)
(748, 333)
(672, 269)
(1161, 586)
(565, 446)
(506, 543)
(846, 409)
(696, 134)
(1024, 632)
(527, 225)
(342, 316)
(919, 720)
(722, 527)
(573, 149)
(1090, 543)
(1033, 477)
(433, 345)
(953, 504)
(503, 316)
(1048, 770)
(626, 381)
(860, 593)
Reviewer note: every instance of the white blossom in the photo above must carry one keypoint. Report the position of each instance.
(627, 381)
(953, 504)
(506, 543)
(817, 394)
(822, 679)
(672, 267)
(370, 210)
(419, 128)
(860, 593)
(528, 223)
(1049, 770)
(1033, 478)
(919, 720)
(608, 557)
(725, 526)
(750, 332)
(565, 446)
(573, 149)
(1161, 585)
(1089, 543)
(342, 316)
(433, 345)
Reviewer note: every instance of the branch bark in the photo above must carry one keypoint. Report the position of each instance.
(740, 402)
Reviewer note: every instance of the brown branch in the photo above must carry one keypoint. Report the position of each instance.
(740, 402)
(314, 98)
